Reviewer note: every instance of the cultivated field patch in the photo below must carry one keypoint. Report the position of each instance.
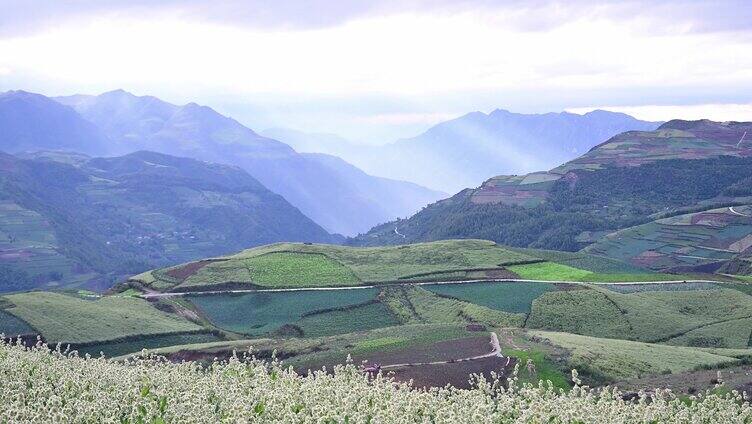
(623, 359)
(700, 241)
(68, 319)
(264, 312)
(514, 297)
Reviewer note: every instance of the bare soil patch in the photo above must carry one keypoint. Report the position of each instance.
(441, 351)
(185, 271)
(456, 374)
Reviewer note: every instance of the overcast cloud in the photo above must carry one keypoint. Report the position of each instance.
(379, 70)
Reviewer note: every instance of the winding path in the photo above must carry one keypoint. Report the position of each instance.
(742, 139)
(495, 352)
(735, 212)
(396, 231)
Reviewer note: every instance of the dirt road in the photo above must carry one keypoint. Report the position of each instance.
(496, 351)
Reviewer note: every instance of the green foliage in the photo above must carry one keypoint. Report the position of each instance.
(69, 319)
(508, 297)
(12, 279)
(544, 369)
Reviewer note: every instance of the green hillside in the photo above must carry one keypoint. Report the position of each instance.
(69, 222)
(633, 178)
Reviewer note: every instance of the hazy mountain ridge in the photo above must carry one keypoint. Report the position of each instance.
(31, 121)
(321, 191)
(465, 151)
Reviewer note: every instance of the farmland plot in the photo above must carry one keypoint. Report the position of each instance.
(264, 312)
(509, 297)
(68, 319)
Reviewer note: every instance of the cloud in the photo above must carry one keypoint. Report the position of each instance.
(360, 66)
(407, 118)
(25, 16)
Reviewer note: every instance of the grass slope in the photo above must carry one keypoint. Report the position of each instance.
(622, 359)
(67, 319)
(649, 316)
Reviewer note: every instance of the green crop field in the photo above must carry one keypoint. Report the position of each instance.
(641, 287)
(318, 265)
(549, 271)
(623, 359)
(508, 297)
(63, 318)
(362, 317)
(418, 305)
(587, 312)
(581, 260)
(262, 313)
(726, 334)
(277, 269)
(649, 316)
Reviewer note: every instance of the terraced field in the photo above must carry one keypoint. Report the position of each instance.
(290, 265)
(665, 316)
(701, 241)
(28, 243)
(507, 297)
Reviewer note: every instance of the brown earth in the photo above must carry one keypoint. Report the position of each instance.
(441, 351)
(456, 374)
(185, 271)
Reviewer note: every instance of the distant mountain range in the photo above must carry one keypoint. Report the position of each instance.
(333, 193)
(463, 152)
(67, 218)
(634, 178)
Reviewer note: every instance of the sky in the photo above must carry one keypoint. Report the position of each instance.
(381, 70)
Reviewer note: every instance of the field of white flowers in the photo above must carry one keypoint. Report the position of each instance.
(37, 385)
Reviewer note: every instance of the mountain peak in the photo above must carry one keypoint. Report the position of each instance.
(681, 124)
(117, 93)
